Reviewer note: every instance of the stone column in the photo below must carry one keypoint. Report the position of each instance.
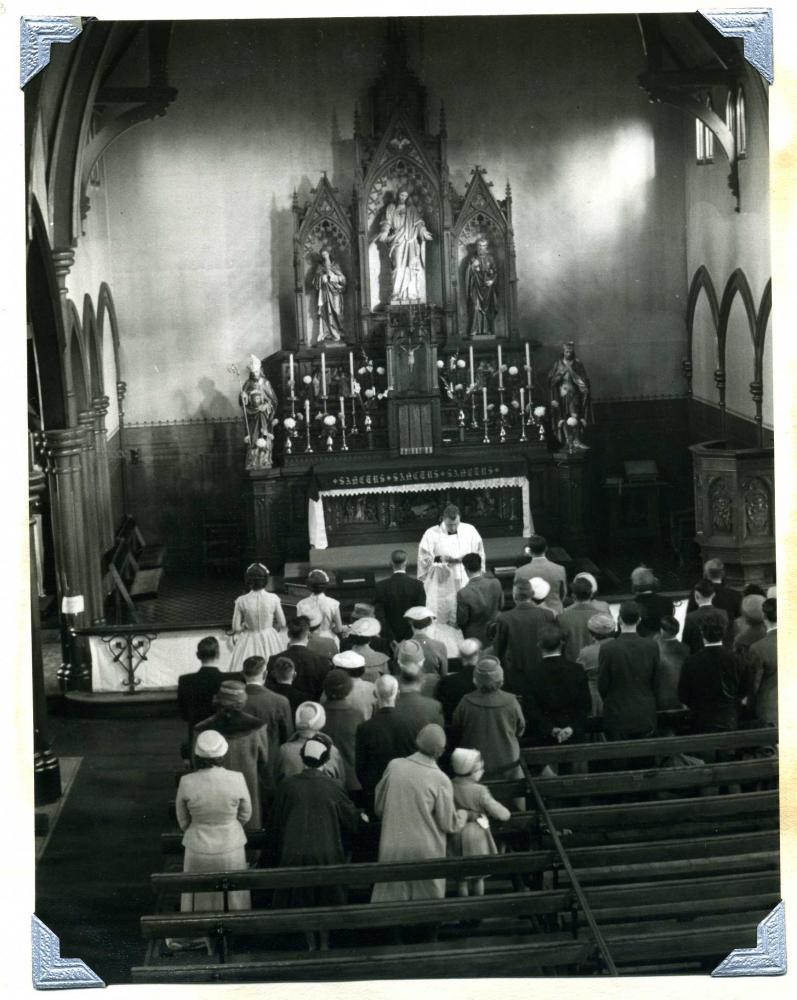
(121, 391)
(63, 259)
(93, 516)
(99, 407)
(46, 769)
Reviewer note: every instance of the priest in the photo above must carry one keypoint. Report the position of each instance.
(440, 562)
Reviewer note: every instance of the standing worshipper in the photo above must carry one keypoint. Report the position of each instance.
(725, 598)
(491, 720)
(601, 628)
(247, 741)
(414, 709)
(440, 566)
(541, 566)
(362, 695)
(258, 621)
(327, 607)
(559, 701)
(693, 634)
(415, 801)
(749, 627)
(518, 630)
(764, 656)
(475, 838)
(653, 606)
(196, 691)
(627, 677)
(713, 680)
(324, 646)
(574, 620)
(600, 606)
(311, 669)
(395, 595)
(310, 719)
(283, 674)
(361, 633)
(378, 740)
(310, 817)
(378, 643)
(479, 601)
(672, 654)
(342, 721)
(435, 654)
(272, 709)
(454, 686)
(212, 806)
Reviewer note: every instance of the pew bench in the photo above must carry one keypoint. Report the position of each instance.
(126, 582)
(147, 555)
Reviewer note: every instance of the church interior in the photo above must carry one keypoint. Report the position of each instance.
(295, 289)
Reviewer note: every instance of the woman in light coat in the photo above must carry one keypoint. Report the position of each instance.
(212, 806)
(320, 604)
(416, 802)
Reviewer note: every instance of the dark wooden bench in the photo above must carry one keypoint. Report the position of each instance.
(126, 582)
(147, 555)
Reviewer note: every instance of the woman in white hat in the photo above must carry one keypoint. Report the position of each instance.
(361, 632)
(476, 836)
(319, 603)
(258, 621)
(212, 806)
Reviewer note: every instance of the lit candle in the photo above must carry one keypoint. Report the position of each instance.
(290, 376)
(342, 413)
(522, 404)
(484, 401)
(307, 411)
(500, 369)
(528, 365)
(323, 373)
(351, 370)
(472, 374)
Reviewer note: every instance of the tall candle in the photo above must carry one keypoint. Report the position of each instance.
(323, 373)
(500, 369)
(472, 375)
(351, 370)
(342, 413)
(522, 404)
(528, 366)
(307, 411)
(484, 401)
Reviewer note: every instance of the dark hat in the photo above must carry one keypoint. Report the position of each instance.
(337, 684)
(231, 694)
(431, 740)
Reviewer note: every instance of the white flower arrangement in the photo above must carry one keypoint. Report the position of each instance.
(307, 379)
(572, 421)
(261, 443)
(330, 420)
(289, 423)
(512, 370)
(504, 409)
(539, 412)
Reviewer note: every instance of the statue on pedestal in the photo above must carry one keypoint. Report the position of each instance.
(259, 403)
(329, 282)
(481, 277)
(406, 235)
(570, 398)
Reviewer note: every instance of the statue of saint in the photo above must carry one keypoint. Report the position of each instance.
(330, 284)
(481, 277)
(406, 236)
(570, 398)
(259, 402)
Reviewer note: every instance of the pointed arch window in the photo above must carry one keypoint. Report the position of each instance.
(736, 119)
(704, 138)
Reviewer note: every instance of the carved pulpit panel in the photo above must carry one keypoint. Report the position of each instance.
(414, 401)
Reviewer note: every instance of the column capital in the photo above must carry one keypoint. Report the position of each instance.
(100, 405)
(65, 443)
(86, 419)
(63, 259)
(121, 390)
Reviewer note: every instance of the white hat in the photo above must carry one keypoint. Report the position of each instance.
(469, 647)
(349, 660)
(310, 715)
(772, 592)
(419, 614)
(410, 656)
(539, 588)
(315, 749)
(210, 743)
(464, 761)
(365, 627)
(590, 578)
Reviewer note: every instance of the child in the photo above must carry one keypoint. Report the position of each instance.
(256, 620)
(476, 837)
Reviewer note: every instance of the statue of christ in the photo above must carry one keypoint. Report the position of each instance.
(406, 236)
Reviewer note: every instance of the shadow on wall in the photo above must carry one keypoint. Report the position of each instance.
(214, 404)
(283, 320)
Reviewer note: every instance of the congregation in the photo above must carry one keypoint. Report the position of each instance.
(366, 741)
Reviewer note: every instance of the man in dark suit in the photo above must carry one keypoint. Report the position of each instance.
(558, 701)
(703, 595)
(764, 657)
(195, 691)
(311, 669)
(672, 655)
(379, 739)
(396, 595)
(627, 677)
(541, 566)
(725, 598)
(414, 709)
(652, 605)
(479, 601)
(271, 708)
(517, 634)
(713, 680)
(452, 688)
(283, 674)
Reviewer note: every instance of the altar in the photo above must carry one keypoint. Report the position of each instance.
(408, 381)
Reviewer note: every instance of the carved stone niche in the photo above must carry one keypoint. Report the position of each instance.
(735, 509)
(321, 225)
(481, 217)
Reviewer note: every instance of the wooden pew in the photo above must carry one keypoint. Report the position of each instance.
(127, 582)
(147, 556)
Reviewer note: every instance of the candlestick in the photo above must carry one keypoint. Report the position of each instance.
(351, 370)
(290, 372)
(470, 357)
(309, 447)
(354, 429)
(500, 369)
(323, 372)
(342, 413)
(474, 423)
(484, 403)
(523, 415)
(528, 368)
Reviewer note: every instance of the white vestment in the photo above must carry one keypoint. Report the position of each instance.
(442, 580)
